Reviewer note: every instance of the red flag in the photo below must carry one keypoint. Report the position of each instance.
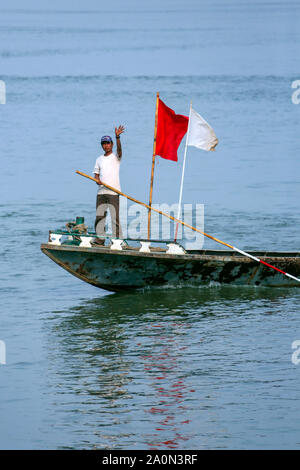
(171, 128)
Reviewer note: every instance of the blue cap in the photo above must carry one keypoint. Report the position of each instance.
(106, 138)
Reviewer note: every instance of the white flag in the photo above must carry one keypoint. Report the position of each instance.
(201, 135)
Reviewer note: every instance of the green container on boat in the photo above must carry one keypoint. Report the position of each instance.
(79, 220)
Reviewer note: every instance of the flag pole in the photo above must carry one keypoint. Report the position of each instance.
(153, 164)
(182, 175)
(244, 253)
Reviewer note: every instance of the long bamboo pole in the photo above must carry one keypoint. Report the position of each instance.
(190, 226)
(153, 164)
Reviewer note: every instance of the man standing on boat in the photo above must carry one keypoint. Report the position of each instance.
(107, 168)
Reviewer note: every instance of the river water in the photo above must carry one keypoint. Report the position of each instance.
(169, 368)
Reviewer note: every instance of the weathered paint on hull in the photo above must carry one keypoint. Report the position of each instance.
(123, 270)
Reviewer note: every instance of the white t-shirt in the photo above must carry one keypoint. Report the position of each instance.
(108, 168)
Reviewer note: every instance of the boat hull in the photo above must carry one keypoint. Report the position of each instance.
(124, 270)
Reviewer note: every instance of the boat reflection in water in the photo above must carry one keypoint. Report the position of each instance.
(144, 370)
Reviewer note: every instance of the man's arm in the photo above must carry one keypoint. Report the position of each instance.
(118, 131)
(96, 176)
(97, 171)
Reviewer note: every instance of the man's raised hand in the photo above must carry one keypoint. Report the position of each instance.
(119, 130)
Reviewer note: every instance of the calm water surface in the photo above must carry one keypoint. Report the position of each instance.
(164, 369)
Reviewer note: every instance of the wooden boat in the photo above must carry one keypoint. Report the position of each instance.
(137, 264)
